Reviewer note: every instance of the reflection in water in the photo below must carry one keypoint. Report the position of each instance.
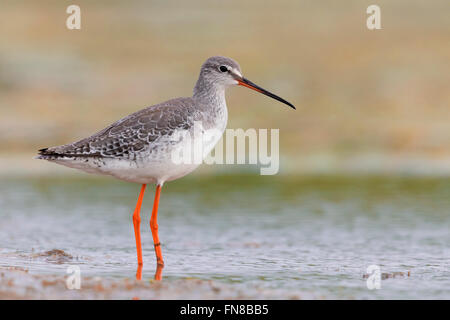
(158, 272)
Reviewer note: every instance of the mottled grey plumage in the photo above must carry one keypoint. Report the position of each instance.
(138, 147)
(137, 133)
(140, 132)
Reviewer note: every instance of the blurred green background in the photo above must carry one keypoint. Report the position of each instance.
(368, 101)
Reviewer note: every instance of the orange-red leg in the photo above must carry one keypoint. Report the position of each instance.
(137, 232)
(154, 229)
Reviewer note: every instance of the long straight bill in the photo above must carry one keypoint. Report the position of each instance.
(247, 83)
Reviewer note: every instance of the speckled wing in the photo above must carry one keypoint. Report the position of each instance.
(135, 134)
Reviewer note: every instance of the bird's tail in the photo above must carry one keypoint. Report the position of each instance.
(48, 154)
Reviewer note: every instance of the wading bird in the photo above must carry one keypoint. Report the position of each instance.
(138, 148)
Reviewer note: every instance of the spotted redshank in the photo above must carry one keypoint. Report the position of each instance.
(138, 148)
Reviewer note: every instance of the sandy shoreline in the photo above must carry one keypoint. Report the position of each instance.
(18, 283)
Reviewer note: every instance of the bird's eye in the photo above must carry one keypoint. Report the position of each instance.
(223, 68)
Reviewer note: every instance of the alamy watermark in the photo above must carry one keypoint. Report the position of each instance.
(373, 277)
(374, 20)
(73, 281)
(73, 21)
(195, 146)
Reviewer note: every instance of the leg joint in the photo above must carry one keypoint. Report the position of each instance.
(153, 225)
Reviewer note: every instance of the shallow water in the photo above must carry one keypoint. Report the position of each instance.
(300, 237)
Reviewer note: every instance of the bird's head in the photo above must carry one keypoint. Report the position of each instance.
(224, 72)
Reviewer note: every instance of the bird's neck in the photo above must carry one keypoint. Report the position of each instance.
(211, 94)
